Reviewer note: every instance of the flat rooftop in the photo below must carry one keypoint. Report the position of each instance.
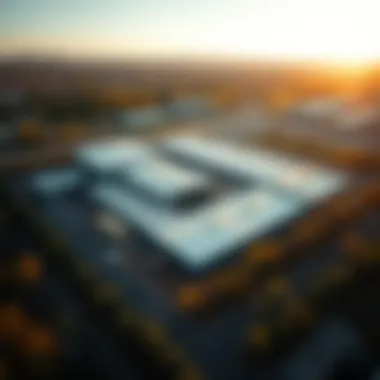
(110, 154)
(276, 190)
(204, 236)
(163, 179)
(304, 179)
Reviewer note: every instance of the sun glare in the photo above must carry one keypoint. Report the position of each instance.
(335, 32)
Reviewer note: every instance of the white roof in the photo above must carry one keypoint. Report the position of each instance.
(106, 155)
(280, 187)
(53, 182)
(206, 235)
(357, 119)
(164, 179)
(244, 121)
(190, 107)
(302, 178)
(144, 118)
(320, 107)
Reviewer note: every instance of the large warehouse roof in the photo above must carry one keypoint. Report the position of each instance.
(164, 179)
(304, 179)
(144, 118)
(277, 189)
(204, 236)
(105, 155)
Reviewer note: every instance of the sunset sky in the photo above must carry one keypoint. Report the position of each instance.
(324, 29)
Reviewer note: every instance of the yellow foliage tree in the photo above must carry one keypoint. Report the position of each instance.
(30, 131)
(280, 100)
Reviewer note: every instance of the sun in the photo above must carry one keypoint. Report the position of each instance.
(334, 32)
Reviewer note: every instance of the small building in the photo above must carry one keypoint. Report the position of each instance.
(316, 111)
(143, 119)
(165, 182)
(190, 108)
(102, 157)
(50, 183)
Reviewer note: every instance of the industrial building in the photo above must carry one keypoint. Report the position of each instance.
(100, 157)
(317, 110)
(144, 119)
(155, 182)
(166, 182)
(152, 117)
(190, 108)
(343, 134)
(142, 252)
(292, 175)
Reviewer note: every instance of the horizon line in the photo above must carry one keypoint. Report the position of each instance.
(211, 58)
